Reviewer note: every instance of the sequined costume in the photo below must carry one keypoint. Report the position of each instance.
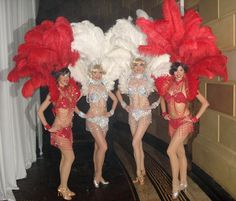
(97, 97)
(178, 119)
(64, 111)
(138, 91)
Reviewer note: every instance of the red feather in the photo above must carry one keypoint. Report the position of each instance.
(187, 41)
(47, 48)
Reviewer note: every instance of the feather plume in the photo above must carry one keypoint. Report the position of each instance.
(47, 48)
(186, 40)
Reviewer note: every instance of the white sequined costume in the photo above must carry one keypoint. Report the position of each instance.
(138, 91)
(114, 51)
(97, 98)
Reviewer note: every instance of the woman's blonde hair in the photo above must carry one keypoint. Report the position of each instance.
(138, 60)
(96, 67)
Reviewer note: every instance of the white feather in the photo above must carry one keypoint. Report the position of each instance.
(95, 48)
(80, 74)
(142, 13)
(159, 66)
(114, 51)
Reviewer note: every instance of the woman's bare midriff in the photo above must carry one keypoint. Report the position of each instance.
(139, 102)
(178, 110)
(63, 118)
(97, 109)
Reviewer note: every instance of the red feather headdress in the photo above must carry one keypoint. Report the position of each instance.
(187, 41)
(47, 48)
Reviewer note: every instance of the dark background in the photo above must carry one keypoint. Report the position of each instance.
(102, 13)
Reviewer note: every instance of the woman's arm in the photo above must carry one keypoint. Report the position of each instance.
(79, 112)
(163, 108)
(41, 110)
(120, 98)
(163, 104)
(204, 105)
(114, 102)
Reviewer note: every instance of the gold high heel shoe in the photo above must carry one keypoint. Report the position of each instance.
(71, 193)
(139, 179)
(63, 192)
(143, 172)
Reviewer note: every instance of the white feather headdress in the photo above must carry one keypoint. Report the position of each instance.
(126, 36)
(94, 48)
(114, 51)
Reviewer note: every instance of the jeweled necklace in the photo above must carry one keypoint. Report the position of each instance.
(138, 75)
(95, 82)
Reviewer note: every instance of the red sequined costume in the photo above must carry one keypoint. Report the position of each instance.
(64, 110)
(175, 97)
(187, 41)
(47, 49)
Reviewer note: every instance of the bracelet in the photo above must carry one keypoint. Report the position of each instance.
(123, 104)
(47, 127)
(111, 112)
(194, 119)
(155, 105)
(81, 114)
(164, 114)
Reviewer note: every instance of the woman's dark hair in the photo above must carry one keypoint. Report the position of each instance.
(174, 67)
(63, 71)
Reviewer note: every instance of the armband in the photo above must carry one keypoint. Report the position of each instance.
(81, 114)
(164, 114)
(194, 119)
(111, 112)
(155, 105)
(123, 104)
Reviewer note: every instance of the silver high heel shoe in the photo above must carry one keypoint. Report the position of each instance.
(96, 184)
(175, 191)
(183, 187)
(103, 182)
(175, 195)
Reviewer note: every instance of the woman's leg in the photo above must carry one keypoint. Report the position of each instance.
(133, 127)
(65, 166)
(182, 164)
(176, 143)
(137, 144)
(61, 163)
(101, 149)
(94, 156)
(143, 171)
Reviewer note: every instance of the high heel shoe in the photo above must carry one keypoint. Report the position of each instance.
(183, 187)
(175, 195)
(143, 172)
(71, 193)
(103, 182)
(96, 184)
(63, 192)
(139, 179)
